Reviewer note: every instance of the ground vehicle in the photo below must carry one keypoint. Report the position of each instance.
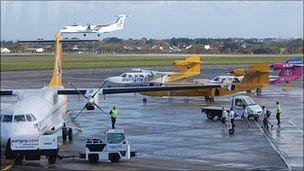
(238, 103)
(114, 148)
(32, 148)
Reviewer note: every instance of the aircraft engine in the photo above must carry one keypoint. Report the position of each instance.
(91, 101)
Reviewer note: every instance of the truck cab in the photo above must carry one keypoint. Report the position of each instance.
(239, 103)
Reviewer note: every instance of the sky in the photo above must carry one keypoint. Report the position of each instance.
(29, 20)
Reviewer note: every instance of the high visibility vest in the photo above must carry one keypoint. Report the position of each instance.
(114, 113)
(279, 109)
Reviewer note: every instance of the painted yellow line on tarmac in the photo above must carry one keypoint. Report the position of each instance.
(9, 165)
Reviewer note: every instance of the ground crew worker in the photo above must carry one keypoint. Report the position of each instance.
(113, 114)
(64, 132)
(265, 118)
(231, 115)
(278, 115)
(224, 115)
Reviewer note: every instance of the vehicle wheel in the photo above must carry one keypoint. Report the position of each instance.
(70, 134)
(231, 131)
(114, 158)
(19, 159)
(52, 159)
(211, 99)
(145, 100)
(206, 98)
(210, 116)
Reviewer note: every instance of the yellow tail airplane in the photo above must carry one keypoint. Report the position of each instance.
(41, 111)
(255, 77)
(189, 67)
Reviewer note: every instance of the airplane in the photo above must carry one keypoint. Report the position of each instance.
(42, 111)
(95, 28)
(143, 77)
(290, 70)
(255, 77)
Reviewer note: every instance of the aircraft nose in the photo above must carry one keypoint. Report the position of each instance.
(16, 129)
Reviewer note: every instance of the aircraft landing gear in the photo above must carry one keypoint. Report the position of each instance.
(145, 100)
(258, 92)
(209, 99)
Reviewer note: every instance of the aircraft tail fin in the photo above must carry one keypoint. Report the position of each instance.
(257, 75)
(191, 66)
(56, 79)
(288, 74)
(120, 21)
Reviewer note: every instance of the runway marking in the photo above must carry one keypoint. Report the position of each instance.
(293, 124)
(9, 165)
(274, 146)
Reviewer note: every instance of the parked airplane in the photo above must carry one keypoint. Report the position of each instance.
(42, 111)
(290, 70)
(142, 77)
(95, 28)
(255, 77)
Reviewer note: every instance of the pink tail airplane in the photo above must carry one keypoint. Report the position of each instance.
(290, 70)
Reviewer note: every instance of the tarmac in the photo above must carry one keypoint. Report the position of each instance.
(172, 133)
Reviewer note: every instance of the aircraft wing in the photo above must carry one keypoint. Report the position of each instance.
(119, 90)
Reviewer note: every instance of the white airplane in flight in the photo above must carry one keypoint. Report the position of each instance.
(42, 111)
(96, 28)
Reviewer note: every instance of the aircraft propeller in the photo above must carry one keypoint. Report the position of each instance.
(90, 101)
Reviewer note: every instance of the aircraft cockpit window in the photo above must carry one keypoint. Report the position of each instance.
(124, 75)
(19, 118)
(7, 118)
(28, 118)
(216, 79)
(33, 117)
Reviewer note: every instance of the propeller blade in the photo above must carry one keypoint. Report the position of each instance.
(99, 88)
(78, 91)
(79, 112)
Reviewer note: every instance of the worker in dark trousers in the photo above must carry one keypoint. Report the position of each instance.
(279, 111)
(231, 115)
(64, 132)
(265, 117)
(113, 114)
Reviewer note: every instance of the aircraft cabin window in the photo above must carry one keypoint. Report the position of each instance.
(141, 75)
(7, 118)
(28, 118)
(130, 76)
(19, 118)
